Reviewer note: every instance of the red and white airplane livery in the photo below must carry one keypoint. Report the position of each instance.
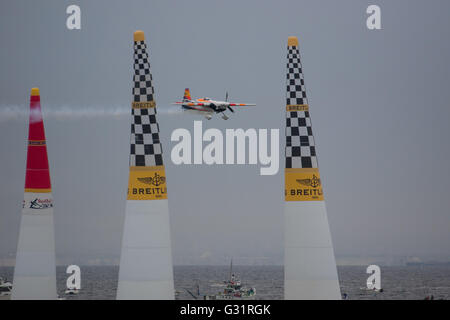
(208, 107)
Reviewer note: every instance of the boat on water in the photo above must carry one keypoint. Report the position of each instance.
(5, 288)
(372, 289)
(233, 289)
(72, 291)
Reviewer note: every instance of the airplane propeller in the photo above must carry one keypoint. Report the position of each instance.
(226, 100)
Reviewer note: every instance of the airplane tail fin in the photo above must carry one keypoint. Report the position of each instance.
(187, 95)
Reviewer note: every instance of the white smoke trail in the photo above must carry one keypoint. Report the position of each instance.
(8, 113)
(21, 112)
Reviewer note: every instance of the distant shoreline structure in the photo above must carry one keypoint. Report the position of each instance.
(406, 264)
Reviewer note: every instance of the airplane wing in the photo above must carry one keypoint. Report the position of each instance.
(193, 105)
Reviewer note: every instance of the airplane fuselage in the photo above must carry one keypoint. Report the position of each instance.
(206, 105)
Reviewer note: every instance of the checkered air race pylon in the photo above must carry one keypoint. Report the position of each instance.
(35, 270)
(310, 268)
(146, 259)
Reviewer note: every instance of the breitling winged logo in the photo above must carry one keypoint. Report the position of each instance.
(313, 182)
(156, 180)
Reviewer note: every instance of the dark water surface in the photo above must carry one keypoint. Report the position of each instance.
(411, 282)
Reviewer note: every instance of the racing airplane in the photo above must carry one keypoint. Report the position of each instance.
(208, 107)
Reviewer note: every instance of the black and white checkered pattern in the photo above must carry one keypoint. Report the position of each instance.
(300, 146)
(146, 149)
(143, 88)
(296, 92)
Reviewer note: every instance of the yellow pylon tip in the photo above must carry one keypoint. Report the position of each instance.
(139, 35)
(292, 42)
(34, 91)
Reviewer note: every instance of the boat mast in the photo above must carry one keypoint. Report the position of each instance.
(231, 268)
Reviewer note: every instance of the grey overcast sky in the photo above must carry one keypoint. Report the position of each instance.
(379, 104)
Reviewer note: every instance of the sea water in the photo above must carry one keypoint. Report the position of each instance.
(399, 282)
